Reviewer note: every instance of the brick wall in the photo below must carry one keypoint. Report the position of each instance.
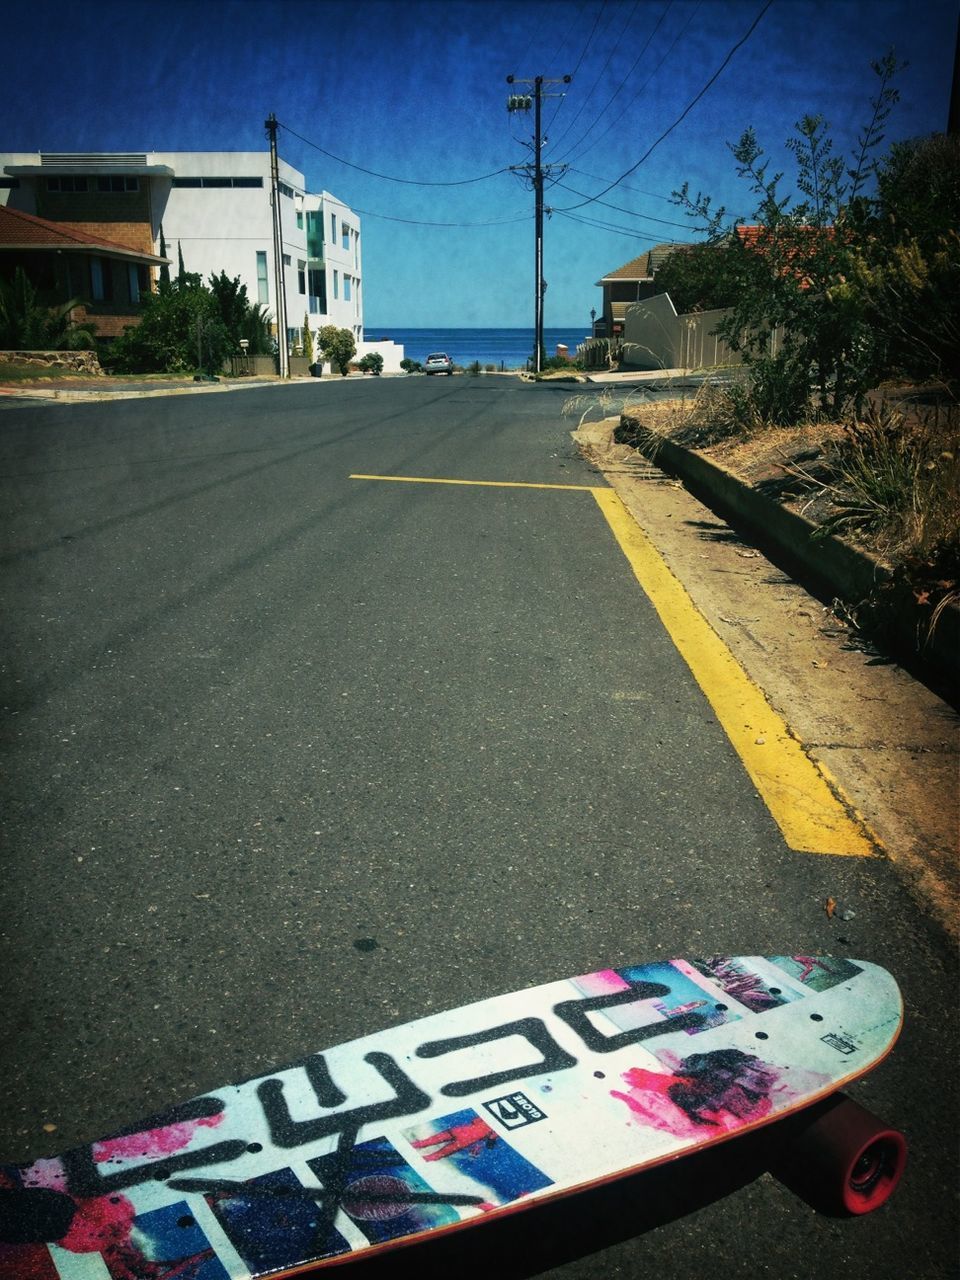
(135, 235)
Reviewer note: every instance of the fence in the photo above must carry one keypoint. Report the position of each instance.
(655, 337)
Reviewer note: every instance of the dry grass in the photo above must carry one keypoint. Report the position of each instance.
(888, 481)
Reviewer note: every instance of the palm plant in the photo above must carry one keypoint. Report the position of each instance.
(27, 325)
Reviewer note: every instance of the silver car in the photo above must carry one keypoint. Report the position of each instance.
(438, 362)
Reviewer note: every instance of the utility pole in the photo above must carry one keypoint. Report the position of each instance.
(283, 355)
(536, 171)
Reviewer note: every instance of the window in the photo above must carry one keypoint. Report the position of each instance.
(286, 260)
(301, 276)
(318, 291)
(333, 228)
(117, 182)
(336, 284)
(101, 280)
(68, 182)
(216, 182)
(315, 234)
(285, 190)
(346, 237)
(263, 291)
(346, 288)
(138, 281)
(299, 220)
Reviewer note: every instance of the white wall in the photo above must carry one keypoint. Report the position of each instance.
(392, 353)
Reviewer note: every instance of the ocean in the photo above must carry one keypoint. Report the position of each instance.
(511, 348)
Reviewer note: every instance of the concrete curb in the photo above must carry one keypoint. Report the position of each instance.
(830, 567)
(78, 395)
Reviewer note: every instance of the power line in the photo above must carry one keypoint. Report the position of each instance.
(654, 195)
(652, 76)
(619, 87)
(683, 114)
(612, 226)
(583, 54)
(387, 177)
(620, 209)
(602, 226)
(419, 222)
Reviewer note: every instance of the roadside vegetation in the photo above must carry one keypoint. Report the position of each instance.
(27, 323)
(188, 326)
(844, 306)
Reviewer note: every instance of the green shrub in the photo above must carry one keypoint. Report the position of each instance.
(372, 362)
(338, 346)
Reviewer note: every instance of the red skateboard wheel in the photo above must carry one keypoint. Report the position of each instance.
(843, 1159)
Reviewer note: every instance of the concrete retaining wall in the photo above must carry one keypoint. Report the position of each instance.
(827, 565)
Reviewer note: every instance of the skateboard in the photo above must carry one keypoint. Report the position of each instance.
(462, 1117)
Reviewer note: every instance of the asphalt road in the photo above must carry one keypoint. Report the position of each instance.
(291, 756)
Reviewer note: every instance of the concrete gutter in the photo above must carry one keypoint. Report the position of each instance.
(831, 568)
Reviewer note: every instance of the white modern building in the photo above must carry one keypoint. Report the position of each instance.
(213, 208)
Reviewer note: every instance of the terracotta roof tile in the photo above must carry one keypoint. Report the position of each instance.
(25, 231)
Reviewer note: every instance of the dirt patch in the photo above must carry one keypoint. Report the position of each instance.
(887, 484)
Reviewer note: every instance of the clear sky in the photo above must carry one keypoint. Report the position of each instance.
(416, 89)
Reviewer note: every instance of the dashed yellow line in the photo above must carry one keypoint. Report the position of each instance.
(804, 801)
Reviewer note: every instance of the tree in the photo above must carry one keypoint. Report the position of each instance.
(180, 329)
(797, 268)
(307, 339)
(164, 282)
(703, 277)
(909, 268)
(232, 304)
(338, 346)
(255, 327)
(27, 324)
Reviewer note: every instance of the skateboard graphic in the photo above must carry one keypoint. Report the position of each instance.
(465, 1116)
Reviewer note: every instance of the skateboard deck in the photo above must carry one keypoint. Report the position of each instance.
(458, 1118)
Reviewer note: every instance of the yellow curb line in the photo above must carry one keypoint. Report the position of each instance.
(804, 801)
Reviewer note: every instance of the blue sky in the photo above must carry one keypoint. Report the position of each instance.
(416, 89)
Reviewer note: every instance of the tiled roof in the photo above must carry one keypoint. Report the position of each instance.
(757, 239)
(20, 230)
(643, 267)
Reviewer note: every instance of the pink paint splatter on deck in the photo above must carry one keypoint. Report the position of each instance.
(99, 1225)
(603, 983)
(48, 1173)
(153, 1142)
(724, 1090)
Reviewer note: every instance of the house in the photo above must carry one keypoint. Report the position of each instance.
(214, 209)
(628, 284)
(62, 262)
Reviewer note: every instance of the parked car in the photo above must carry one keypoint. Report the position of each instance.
(438, 362)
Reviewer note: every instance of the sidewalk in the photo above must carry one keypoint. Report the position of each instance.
(86, 389)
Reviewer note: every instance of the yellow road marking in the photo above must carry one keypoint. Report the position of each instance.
(803, 799)
(489, 484)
